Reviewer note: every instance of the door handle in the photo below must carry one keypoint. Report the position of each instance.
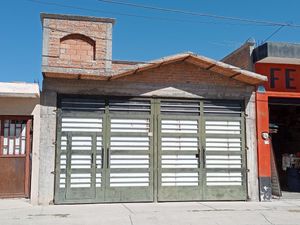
(102, 157)
(203, 157)
(197, 155)
(108, 157)
(92, 158)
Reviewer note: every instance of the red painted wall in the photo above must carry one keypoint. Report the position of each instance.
(283, 82)
(281, 77)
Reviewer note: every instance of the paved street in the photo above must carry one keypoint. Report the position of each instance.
(19, 211)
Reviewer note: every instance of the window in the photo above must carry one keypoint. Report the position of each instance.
(13, 136)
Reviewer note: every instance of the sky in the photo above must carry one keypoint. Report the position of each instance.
(143, 34)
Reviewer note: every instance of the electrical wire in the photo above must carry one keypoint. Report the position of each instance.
(200, 14)
(245, 21)
(272, 34)
(141, 16)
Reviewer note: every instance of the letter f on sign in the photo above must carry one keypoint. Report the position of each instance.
(273, 78)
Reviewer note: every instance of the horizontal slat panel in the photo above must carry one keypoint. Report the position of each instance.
(129, 179)
(125, 106)
(83, 104)
(179, 143)
(129, 143)
(179, 126)
(179, 108)
(130, 125)
(179, 161)
(179, 179)
(222, 127)
(62, 180)
(81, 125)
(223, 161)
(80, 180)
(224, 179)
(221, 108)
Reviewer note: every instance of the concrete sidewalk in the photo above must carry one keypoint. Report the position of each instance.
(20, 212)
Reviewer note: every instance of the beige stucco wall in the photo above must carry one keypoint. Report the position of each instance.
(26, 107)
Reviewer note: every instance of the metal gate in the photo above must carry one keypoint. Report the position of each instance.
(126, 150)
(130, 151)
(179, 151)
(224, 151)
(104, 150)
(15, 147)
(80, 169)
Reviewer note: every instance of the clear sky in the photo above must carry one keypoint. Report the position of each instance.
(139, 38)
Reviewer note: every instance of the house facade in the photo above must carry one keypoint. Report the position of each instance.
(19, 140)
(180, 128)
(277, 105)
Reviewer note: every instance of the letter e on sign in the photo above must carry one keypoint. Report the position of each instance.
(281, 77)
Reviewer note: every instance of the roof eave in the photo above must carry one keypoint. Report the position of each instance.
(205, 63)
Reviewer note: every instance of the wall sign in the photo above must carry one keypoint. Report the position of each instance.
(281, 77)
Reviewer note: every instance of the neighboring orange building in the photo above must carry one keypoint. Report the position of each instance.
(277, 102)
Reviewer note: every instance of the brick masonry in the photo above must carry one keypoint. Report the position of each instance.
(84, 45)
(241, 57)
(183, 73)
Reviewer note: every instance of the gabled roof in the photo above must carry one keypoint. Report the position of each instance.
(201, 61)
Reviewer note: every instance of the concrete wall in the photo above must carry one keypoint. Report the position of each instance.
(26, 107)
(253, 190)
(176, 80)
(47, 146)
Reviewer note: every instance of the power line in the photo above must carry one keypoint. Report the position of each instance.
(138, 16)
(200, 14)
(272, 34)
(149, 17)
(113, 13)
(100, 38)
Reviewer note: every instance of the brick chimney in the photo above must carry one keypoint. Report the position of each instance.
(76, 45)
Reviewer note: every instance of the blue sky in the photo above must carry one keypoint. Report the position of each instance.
(137, 38)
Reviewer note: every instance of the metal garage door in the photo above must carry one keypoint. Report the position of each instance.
(179, 151)
(130, 151)
(126, 150)
(104, 150)
(224, 151)
(80, 173)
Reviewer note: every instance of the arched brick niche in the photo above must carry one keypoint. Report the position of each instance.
(77, 49)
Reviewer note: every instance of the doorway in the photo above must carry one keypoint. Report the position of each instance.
(284, 117)
(15, 148)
